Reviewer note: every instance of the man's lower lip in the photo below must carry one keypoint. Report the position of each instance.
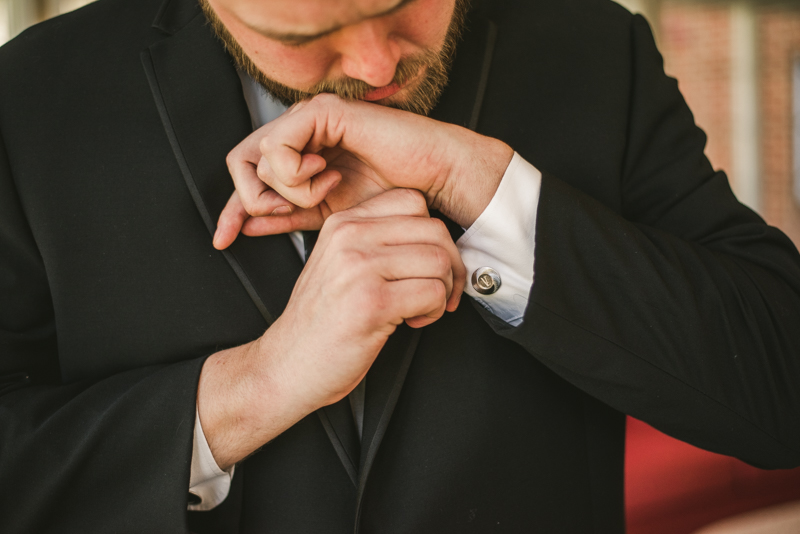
(382, 92)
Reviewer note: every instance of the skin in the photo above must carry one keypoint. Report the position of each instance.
(363, 173)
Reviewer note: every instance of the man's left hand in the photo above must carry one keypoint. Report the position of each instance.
(326, 155)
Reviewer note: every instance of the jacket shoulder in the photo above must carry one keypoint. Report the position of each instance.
(94, 32)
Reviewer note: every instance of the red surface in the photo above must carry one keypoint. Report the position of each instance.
(674, 488)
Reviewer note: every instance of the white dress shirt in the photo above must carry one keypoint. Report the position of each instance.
(501, 238)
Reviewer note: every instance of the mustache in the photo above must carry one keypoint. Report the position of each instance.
(354, 89)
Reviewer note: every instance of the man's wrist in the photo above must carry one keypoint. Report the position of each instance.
(473, 180)
(242, 401)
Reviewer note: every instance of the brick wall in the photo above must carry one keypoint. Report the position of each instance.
(695, 39)
(695, 42)
(779, 29)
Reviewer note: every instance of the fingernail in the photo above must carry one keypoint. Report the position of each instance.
(281, 210)
(216, 235)
(334, 185)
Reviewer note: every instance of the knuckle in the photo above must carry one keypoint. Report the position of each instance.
(260, 206)
(291, 179)
(304, 203)
(354, 261)
(262, 171)
(438, 228)
(267, 144)
(437, 291)
(248, 204)
(371, 303)
(231, 158)
(379, 299)
(333, 221)
(264, 143)
(415, 200)
(442, 261)
(347, 230)
(331, 225)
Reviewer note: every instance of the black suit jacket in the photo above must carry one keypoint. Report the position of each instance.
(656, 293)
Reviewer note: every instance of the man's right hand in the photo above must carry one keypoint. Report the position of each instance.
(375, 265)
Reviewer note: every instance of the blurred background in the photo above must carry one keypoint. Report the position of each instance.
(738, 65)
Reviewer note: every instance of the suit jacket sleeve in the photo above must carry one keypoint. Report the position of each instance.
(101, 456)
(683, 309)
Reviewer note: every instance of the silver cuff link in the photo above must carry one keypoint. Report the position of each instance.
(486, 281)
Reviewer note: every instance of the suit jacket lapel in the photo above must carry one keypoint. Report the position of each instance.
(200, 101)
(384, 382)
(201, 104)
(460, 104)
(462, 100)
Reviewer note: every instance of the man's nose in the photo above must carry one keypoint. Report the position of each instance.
(369, 53)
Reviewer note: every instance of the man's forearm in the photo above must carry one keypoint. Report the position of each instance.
(242, 402)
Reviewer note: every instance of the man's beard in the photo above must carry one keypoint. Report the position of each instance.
(423, 96)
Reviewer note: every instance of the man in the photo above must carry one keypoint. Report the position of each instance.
(655, 292)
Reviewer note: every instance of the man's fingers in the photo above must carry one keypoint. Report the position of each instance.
(398, 231)
(402, 230)
(230, 222)
(242, 162)
(418, 301)
(313, 192)
(409, 202)
(234, 216)
(299, 219)
(257, 197)
(292, 150)
(459, 280)
(292, 145)
(416, 261)
(287, 151)
(308, 193)
(292, 168)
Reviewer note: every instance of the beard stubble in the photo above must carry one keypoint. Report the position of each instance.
(423, 96)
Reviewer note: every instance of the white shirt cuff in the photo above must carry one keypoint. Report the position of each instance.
(503, 238)
(210, 483)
